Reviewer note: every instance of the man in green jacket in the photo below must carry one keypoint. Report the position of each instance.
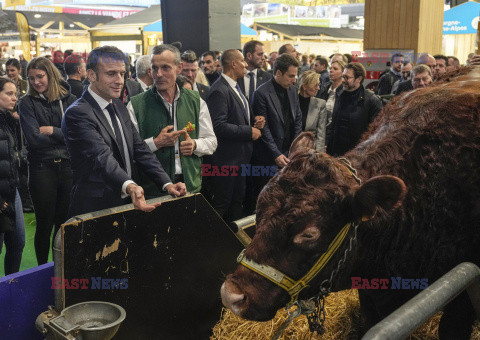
(161, 113)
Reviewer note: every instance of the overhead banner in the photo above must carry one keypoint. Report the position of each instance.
(323, 16)
(14, 3)
(317, 2)
(462, 19)
(24, 31)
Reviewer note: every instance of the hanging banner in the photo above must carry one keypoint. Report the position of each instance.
(9, 3)
(24, 31)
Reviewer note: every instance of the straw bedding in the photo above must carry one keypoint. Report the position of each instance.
(343, 321)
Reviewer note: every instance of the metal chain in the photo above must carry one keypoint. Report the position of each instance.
(314, 308)
(316, 319)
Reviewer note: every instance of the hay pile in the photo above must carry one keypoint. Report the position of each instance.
(343, 322)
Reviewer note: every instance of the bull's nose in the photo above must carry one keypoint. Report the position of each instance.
(232, 300)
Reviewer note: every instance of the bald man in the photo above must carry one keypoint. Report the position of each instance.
(233, 124)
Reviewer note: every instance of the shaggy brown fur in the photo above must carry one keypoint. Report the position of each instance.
(429, 139)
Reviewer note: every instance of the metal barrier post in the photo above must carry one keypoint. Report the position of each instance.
(407, 318)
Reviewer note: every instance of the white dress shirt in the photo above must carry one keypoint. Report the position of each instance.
(233, 85)
(206, 142)
(144, 86)
(103, 105)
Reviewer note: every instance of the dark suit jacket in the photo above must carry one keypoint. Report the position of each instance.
(403, 86)
(233, 130)
(203, 90)
(76, 87)
(262, 77)
(267, 104)
(97, 175)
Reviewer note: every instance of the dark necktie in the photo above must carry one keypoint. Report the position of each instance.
(118, 135)
(251, 88)
(245, 103)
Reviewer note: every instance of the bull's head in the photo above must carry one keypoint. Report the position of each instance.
(299, 213)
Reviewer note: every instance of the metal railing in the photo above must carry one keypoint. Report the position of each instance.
(406, 319)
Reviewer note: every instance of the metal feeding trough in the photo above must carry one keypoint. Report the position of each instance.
(92, 320)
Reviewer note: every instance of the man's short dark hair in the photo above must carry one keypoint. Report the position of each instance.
(396, 55)
(72, 64)
(227, 57)
(14, 62)
(250, 47)
(283, 63)
(189, 56)
(322, 60)
(159, 49)
(105, 54)
(209, 53)
(358, 70)
(283, 49)
(456, 62)
(441, 56)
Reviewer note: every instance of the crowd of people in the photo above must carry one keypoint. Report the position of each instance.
(99, 132)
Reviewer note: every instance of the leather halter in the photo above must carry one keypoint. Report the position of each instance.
(294, 287)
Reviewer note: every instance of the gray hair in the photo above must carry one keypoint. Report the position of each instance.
(142, 65)
(420, 69)
(159, 49)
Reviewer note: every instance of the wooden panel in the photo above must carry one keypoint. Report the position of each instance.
(395, 25)
(174, 259)
(404, 24)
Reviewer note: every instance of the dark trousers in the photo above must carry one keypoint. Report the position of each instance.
(50, 183)
(228, 194)
(14, 240)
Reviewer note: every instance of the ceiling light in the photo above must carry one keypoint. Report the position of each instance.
(37, 16)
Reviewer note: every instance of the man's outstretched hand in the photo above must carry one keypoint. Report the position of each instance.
(177, 189)
(138, 198)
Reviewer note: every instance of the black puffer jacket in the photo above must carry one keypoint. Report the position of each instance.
(8, 160)
(35, 112)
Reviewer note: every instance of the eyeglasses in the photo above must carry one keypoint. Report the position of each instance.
(346, 77)
(38, 77)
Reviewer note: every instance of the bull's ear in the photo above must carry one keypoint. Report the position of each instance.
(304, 142)
(382, 192)
(307, 238)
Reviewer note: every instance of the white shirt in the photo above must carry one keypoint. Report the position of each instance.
(103, 105)
(232, 84)
(246, 81)
(206, 142)
(144, 86)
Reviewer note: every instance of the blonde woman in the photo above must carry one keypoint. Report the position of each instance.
(49, 175)
(333, 88)
(314, 114)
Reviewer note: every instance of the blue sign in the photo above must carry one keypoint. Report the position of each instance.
(462, 19)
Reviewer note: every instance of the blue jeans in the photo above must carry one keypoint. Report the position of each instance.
(14, 240)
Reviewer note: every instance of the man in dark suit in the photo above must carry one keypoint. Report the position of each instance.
(76, 73)
(209, 66)
(103, 143)
(232, 123)
(277, 101)
(254, 53)
(190, 70)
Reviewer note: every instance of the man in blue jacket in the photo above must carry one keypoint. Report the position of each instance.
(103, 143)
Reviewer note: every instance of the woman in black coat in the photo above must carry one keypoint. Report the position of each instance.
(12, 225)
(49, 175)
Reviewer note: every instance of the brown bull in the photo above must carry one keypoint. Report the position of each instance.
(418, 205)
